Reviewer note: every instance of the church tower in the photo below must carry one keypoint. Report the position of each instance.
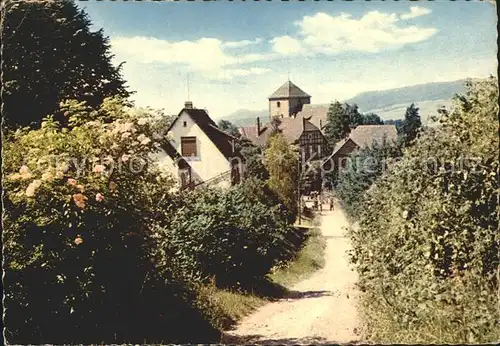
(287, 101)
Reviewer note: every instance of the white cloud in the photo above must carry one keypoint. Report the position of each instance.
(243, 43)
(373, 32)
(205, 55)
(286, 45)
(415, 11)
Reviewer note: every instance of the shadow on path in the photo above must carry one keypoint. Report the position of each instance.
(259, 340)
(307, 294)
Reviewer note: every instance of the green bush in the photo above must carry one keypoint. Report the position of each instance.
(234, 236)
(366, 165)
(78, 210)
(427, 244)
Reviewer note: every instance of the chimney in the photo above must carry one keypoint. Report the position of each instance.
(258, 126)
(303, 124)
(320, 124)
(188, 105)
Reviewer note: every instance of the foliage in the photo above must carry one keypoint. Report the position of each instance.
(234, 236)
(52, 55)
(372, 119)
(365, 166)
(341, 119)
(310, 177)
(281, 161)
(353, 114)
(411, 125)
(230, 128)
(253, 156)
(427, 244)
(337, 124)
(79, 203)
(397, 122)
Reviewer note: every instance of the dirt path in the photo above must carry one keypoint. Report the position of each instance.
(322, 309)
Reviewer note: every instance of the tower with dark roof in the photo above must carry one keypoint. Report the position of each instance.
(287, 101)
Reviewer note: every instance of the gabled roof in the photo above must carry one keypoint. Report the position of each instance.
(316, 114)
(364, 135)
(174, 155)
(288, 90)
(222, 140)
(291, 128)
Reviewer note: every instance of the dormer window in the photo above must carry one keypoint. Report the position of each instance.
(278, 104)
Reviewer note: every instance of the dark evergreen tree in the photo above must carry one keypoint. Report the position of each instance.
(337, 124)
(354, 116)
(372, 119)
(50, 54)
(411, 124)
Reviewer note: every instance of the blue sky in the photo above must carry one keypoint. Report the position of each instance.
(238, 53)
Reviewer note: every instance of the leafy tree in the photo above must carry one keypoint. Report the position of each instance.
(337, 125)
(372, 119)
(49, 55)
(281, 160)
(275, 125)
(229, 128)
(366, 165)
(354, 116)
(253, 156)
(411, 124)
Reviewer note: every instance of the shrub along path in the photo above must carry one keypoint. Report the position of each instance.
(320, 309)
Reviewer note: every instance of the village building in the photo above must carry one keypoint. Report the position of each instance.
(360, 137)
(285, 105)
(198, 152)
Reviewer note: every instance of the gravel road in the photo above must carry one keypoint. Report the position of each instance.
(321, 309)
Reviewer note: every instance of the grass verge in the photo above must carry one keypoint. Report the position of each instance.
(227, 307)
(309, 259)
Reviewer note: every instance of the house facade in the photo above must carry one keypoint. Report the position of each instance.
(198, 152)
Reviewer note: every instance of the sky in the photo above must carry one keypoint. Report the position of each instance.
(236, 54)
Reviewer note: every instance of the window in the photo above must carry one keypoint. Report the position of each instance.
(185, 124)
(188, 146)
(278, 104)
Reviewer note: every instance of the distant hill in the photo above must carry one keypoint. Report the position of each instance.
(388, 104)
(412, 94)
(391, 104)
(245, 117)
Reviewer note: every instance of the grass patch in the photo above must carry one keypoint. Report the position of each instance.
(224, 308)
(308, 260)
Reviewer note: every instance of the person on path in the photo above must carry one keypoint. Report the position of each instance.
(331, 204)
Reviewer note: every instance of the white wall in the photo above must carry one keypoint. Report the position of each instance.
(210, 162)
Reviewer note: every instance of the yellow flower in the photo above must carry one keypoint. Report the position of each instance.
(30, 190)
(47, 176)
(14, 176)
(24, 172)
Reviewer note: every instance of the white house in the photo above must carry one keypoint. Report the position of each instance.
(198, 152)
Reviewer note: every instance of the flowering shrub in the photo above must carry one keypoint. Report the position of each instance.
(427, 244)
(79, 203)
